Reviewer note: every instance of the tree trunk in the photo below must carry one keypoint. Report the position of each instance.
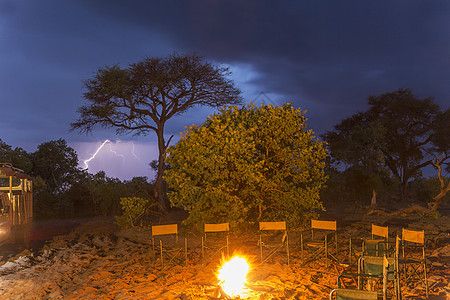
(159, 190)
(443, 189)
(403, 190)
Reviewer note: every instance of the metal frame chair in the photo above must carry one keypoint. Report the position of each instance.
(342, 293)
(215, 233)
(414, 240)
(373, 246)
(319, 246)
(375, 265)
(272, 246)
(169, 246)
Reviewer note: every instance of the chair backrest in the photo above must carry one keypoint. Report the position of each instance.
(272, 225)
(375, 265)
(348, 294)
(164, 229)
(413, 236)
(327, 225)
(380, 231)
(217, 227)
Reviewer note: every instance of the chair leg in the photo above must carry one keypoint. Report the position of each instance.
(228, 249)
(287, 248)
(260, 248)
(301, 245)
(350, 251)
(185, 251)
(161, 252)
(203, 250)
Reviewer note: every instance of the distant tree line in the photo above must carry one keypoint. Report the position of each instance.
(63, 190)
(386, 148)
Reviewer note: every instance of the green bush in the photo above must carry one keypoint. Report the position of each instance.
(133, 208)
(248, 164)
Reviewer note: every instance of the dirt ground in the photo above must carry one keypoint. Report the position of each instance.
(97, 260)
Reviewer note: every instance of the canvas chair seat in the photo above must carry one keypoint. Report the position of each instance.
(376, 270)
(373, 265)
(348, 294)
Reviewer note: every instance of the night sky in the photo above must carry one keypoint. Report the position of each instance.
(326, 57)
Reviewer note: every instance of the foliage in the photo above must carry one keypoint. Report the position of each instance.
(355, 186)
(141, 98)
(57, 164)
(133, 208)
(247, 164)
(18, 157)
(395, 133)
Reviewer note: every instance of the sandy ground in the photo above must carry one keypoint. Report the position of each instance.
(99, 261)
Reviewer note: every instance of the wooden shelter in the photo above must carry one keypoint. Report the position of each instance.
(16, 194)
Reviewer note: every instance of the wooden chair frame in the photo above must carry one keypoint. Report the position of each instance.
(272, 247)
(170, 248)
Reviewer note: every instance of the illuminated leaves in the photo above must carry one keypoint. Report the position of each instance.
(247, 164)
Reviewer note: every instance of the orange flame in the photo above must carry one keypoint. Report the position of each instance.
(233, 276)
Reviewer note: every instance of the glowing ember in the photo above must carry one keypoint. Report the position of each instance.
(233, 276)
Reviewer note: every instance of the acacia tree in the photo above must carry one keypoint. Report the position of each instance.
(140, 99)
(397, 132)
(248, 164)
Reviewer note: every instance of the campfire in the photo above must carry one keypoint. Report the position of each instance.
(233, 277)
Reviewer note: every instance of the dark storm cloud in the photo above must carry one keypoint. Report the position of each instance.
(325, 56)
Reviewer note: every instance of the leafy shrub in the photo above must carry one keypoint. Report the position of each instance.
(248, 164)
(133, 208)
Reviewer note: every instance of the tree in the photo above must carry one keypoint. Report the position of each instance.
(397, 133)
(18, 157)
(57, 164)
(247, 164)
(141, 98)
(444, 185)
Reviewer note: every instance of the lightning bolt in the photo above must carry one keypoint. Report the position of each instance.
(110, 144)
(132, 151)
(86, 161)
(113, 151)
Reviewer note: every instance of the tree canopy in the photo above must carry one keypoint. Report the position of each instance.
(248, 164)
(57, 164)
(398, 132)
(141, 98)
(18, 157)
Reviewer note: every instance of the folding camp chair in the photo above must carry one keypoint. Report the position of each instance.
(376, 265)
(217, 241)
(270, 245)
(165, 240)
(413, 258)
(373, 246)
(356, 293)
(319, 246)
